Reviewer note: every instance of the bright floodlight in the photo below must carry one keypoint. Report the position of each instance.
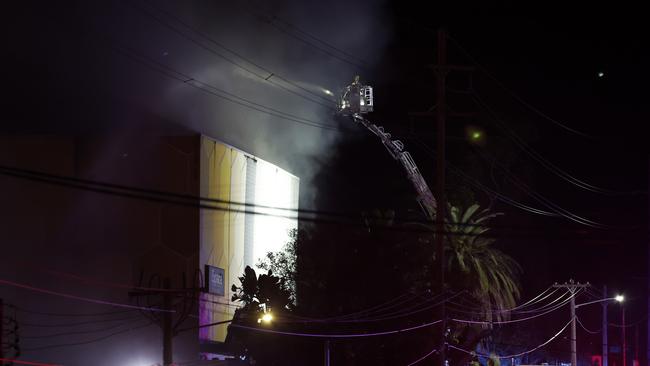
(619, 298)
(266, 318)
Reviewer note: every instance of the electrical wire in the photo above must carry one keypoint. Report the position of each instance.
(558, 211)
(76, 332)
(468, 321)
(515, 96)
(628, 325)
(191, 200)
(32, 363)
(515, 310)
(94, 340)
(413, 309)
(517, 354)
(482, 187)
(435, 350)
(271, 20)
(319, 40)
(88, 186)
(265, 78)
(542, 200)
(540, 159)
(64, 325)
(587, 330)
(80, 298)
(396, 301)
(355, 335)
(215, 91)
(530, 302)
(22, 310)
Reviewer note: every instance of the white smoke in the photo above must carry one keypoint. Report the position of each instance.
(354, 27)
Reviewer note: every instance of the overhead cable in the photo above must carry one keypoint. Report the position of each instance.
(352, 335)
(515, 96)
(517, 354)
(556, 307)
(80, 298)
(543, 161)
(268, 78)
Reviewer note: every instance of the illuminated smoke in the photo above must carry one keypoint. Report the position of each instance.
(352, 26)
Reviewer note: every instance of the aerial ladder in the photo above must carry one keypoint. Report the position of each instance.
(357, 100)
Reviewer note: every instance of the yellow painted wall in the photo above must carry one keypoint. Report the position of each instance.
(224, 237)
(223, 175)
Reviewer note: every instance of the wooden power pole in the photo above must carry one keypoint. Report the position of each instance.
(441, 73)
(573, 287)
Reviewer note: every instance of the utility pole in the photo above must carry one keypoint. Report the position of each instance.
(441, 72)
(2, 330)
(166, 319)
(441, 69)
(573, 287)
(327, 352)
(168, 331)
(605, 347)
(623, 335)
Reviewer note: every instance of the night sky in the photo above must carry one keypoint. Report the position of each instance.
(69, 70)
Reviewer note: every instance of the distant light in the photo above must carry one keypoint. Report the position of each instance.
(267, 317)
(327, 92)
(619, 298)
(601, 74)
(476, 135)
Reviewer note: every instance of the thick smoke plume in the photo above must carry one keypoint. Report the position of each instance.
(284, 37)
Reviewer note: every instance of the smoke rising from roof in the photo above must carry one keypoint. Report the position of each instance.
(286, 40)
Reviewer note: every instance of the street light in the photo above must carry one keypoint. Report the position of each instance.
(266, 318)
(618, 298)
(574, 306)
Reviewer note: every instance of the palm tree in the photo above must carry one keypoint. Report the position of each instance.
(475, 265)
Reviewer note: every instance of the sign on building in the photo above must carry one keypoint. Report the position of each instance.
(215, 279)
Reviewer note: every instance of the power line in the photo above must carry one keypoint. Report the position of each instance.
(546, 202)
(413, 309)
(155, 196)
(64, 325)
(435, 350)
(271, 20)
(517, 354)
(55, 179)
(482, 187)
(80, 298)
(77, 332)
(19, 362)
(22, 310)
(515, 310)
(265, 78)
(319, 40)
(585, 328)
(559, 211)
(355, 335)
(94, 340)
(543, 161)
(468, 321)
(215, 91)
(516, 97)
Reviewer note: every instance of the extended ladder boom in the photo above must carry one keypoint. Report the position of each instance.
(396, 149)
(356, 100)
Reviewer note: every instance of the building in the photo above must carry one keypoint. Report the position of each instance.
(248, 208)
